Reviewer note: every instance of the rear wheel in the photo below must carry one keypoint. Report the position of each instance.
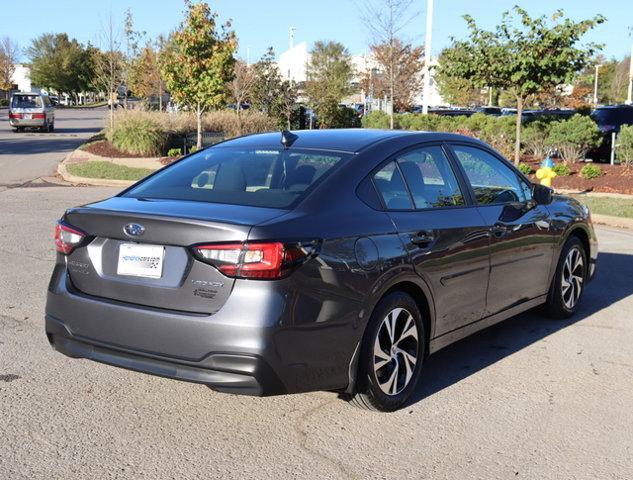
(568, 283)
(392, 354)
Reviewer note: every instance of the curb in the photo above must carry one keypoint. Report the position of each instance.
(97, 182)
(611, 221)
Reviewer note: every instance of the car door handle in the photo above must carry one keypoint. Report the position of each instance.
(422, 239)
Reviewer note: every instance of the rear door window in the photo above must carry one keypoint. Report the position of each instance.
(390, 184)
(430, 178)
(273, 178)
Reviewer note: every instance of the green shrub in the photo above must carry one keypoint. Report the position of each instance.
(562, 170)
(574, 137)
(174, 152)
(137, 135)
(525, 168)
(193, 149)
(624, 147)
(376, 119)
(535, 135)
(590, 171)
(4, 102)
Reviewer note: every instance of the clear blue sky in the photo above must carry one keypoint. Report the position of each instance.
(260, 23)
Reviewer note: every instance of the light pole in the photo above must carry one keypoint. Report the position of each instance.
(427, 56)
(595, 86)
(629, 97)
(291, 37)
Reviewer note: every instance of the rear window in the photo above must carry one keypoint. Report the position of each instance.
(26, 101)
(272, 178)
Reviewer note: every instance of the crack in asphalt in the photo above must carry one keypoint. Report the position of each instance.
(299, 427)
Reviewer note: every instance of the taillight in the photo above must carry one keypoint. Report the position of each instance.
(39, 115)
(270, 260)
(67, 238)
(15, 115)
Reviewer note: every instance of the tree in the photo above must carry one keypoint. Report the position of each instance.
(385, 20)
(240, 88)
(525, 57)
(107, 66)
(132, 41)
(287, 103)
(329, 77)
(198, 62)
(59, 63)
(267, 83)
(401, 80)
(455, 90)
(9, 52)
(144, 74)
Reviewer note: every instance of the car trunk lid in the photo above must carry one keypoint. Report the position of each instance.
(169, 228)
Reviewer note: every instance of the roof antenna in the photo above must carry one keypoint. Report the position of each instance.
(287, 139)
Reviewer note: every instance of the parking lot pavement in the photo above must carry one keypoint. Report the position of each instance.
(30, 155)
(530, 398)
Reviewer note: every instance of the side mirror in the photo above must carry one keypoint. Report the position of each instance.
(541, 194)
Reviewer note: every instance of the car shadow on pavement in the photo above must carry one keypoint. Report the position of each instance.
(470, 355)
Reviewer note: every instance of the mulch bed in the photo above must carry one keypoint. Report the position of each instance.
(614, 179)
(104, 149)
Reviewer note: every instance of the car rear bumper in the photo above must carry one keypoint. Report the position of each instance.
(257, 344)
(21, 122)
(241, 374)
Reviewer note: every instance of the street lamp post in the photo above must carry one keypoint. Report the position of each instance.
(595, 86)
(629, 98)
(427, 56)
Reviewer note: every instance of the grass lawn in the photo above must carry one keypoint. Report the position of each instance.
(107, 170)
(617, 207)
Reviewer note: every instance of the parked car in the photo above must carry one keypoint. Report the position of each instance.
(609, 119)
(31, 110)
(496, 111)
(452, 112)
(318, 260)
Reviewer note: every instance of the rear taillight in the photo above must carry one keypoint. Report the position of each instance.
(15, 115)
(270, 260)
(38, 115)
(67, 238)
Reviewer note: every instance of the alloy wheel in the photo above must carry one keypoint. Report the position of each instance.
(572, 278)
(396, 350)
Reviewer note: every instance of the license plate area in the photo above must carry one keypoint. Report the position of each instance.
(28, 116)
(137, 260)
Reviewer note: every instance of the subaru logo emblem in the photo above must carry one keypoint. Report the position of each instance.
(134, 229)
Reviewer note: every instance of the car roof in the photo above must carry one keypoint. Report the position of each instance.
(351, 140)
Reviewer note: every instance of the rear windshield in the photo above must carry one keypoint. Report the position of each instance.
(26, 101)
(613, 116)
(273, 178)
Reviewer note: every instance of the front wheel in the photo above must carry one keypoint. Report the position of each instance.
(568, 283)
(391, 355)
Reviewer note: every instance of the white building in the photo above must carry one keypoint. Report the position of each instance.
(22, 77)
(293, 63)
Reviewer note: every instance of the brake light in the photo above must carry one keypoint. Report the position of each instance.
(39, 115)
(270, 260)
(15, 116)
(67, 238)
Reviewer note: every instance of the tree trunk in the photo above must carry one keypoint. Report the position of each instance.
(517, 144)
(238, 111)
(199, 119)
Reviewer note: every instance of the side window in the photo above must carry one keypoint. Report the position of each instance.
(430, 178)
(391, 186)
(491, 180)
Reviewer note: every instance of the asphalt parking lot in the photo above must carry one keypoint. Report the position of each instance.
(32, 155)
(529, 398)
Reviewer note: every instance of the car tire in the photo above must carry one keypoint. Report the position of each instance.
(392, 353)
(569, 280)
(51, 127)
